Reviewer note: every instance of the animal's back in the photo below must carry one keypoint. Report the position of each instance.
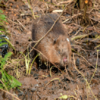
(43, 24)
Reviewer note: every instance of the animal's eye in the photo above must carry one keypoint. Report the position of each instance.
(59, 51)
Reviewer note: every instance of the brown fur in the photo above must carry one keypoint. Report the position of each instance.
(55, 45)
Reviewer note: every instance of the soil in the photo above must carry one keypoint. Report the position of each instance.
(81, 81)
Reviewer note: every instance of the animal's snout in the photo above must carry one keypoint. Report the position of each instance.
(65, 60)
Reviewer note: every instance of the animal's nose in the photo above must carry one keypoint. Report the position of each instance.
(65, 60)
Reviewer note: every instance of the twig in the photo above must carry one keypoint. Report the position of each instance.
(46, 57)
(4, 85)
(79, 37)
(17, 23)
(52, 81)
(10, 94)
(22, 25)
(63, 2)
(94, 27)
(71, 17)
(29, 6)
(85, 60)
(88, 85)
(95, 67)
(77, 31)
(49, 30)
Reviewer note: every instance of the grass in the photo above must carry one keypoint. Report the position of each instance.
(29, 63)
(7, 81)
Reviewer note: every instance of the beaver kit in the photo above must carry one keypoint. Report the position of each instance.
(55, 46)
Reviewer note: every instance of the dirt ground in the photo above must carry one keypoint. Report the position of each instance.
(81, 82)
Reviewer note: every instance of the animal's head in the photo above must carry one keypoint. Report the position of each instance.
(61, 51)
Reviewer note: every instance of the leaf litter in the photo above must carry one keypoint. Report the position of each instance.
(43, 83)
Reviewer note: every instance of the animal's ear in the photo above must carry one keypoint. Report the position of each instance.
(67, 39)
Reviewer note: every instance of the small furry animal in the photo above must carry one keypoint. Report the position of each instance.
(56, 45)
